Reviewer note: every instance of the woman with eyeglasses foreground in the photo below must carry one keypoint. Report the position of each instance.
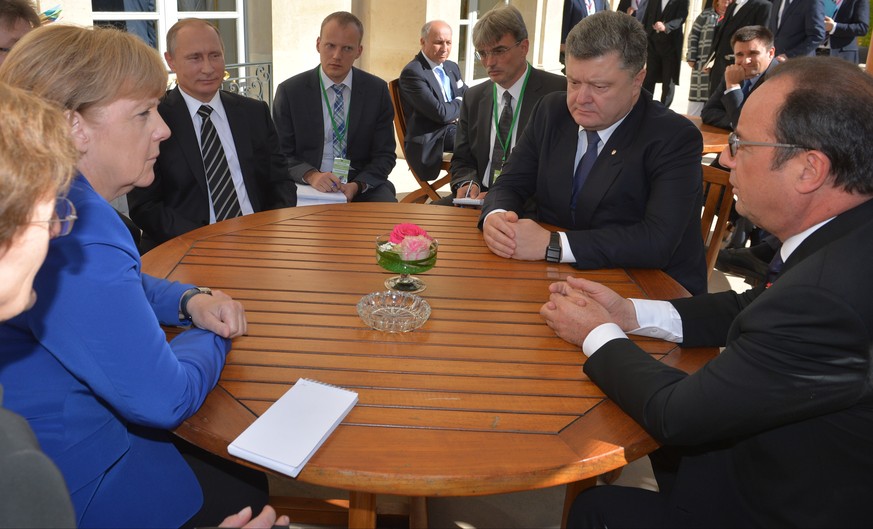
(88, 365)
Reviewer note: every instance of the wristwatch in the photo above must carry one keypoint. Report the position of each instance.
(553, 250)
(184, 315)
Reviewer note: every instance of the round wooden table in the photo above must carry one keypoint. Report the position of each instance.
(482, 399)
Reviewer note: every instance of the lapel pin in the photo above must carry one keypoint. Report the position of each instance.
(613, 152)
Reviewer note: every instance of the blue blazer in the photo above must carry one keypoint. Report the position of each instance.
(90, 368)
(298, 115)
(429, 117)
(639, 207)
(802, 29)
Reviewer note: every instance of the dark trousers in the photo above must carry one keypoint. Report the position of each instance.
(227, 487)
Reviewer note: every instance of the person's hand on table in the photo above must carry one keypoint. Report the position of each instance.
(218, 313)
(265, 520)
(350, 190)
(531, 241)
(499, 233)
(324, 182)
(595, 305)
(578, 306)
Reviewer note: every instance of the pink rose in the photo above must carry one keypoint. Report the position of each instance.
(406, 229)
(414, 247)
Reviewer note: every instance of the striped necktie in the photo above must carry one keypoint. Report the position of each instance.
(339, 118)
(225, 202)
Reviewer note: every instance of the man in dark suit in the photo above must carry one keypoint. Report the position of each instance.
(627, 196)
(183, 196)
(740, 13)
(797, 26)
(850, 21)
(663, 24)
(574, 12)
(753, 56)
(776, 430)
(478, 153)
(336, 122)
(432, 92)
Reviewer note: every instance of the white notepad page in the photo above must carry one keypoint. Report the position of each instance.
(291, 430)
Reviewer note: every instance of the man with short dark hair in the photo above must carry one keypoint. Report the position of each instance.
(776, 430)
(496, 112)
(616, 172)
(336, 122)
(222, 159)
(17, 17)
(753, 61)
(432, 92)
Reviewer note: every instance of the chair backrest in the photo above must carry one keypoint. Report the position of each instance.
(427, 190)
(717, 200)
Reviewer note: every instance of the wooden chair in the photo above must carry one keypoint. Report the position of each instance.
(717, 200)
(428, 190)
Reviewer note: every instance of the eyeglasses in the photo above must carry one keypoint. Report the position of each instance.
(734, 143)
(62, 219)
(496, 52)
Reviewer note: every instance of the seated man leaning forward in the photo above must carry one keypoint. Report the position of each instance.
(336, 122)
(618, 173)
(776, 430)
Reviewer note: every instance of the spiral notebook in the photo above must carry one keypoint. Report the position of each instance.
(294, 427)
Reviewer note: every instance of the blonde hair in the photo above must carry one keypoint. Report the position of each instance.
(37, 157)
(79, 68)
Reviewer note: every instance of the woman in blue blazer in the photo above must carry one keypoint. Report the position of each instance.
(89, 366)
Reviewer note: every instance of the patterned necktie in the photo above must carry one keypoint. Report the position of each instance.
(444, 81)
(584, 167)
(339, 118)
(498, 156)
(225, 202)
(774, 268)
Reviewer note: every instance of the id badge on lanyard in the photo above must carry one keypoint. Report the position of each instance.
(341, 168)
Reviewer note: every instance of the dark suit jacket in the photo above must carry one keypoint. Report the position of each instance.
(639, 207)
(753, 13)
(665, 47)
(852, 21)
(723, 109)
(802, 28)
(298, 114)
(473, 139)
(575, 11)
(428, 115)
(178, 200)
(778, 427)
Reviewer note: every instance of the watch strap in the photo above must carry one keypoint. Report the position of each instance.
(184, 315)
(553, 250)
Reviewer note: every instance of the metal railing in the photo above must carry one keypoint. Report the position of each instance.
(249, 79)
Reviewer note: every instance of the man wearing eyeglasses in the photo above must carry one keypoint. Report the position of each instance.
(753, 52)
(336, 122)
(776, 430)
(618, 173)
(17, 18)
(495, 113)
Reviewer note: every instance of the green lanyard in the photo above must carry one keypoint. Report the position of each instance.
(505, 143)
(339, 136)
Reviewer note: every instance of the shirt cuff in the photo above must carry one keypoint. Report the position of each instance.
(599, 337)
(566, 253)
(657, 319)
